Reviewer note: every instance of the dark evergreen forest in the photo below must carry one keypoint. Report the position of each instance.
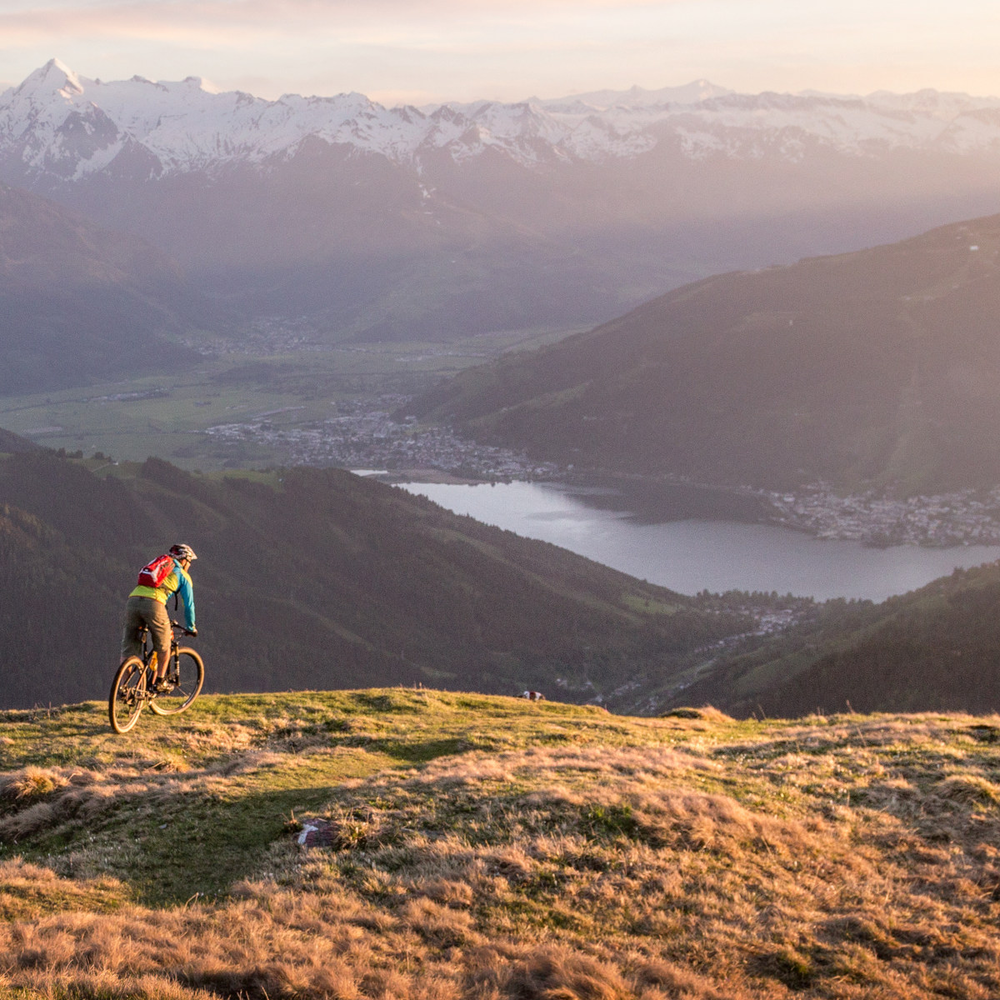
(934, 649)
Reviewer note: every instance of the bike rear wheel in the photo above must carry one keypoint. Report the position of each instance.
(128, 694)
(186, 675)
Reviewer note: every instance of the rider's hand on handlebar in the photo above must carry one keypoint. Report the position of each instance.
(191, 631)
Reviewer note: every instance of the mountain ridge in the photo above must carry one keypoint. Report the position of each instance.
(83, 303)
(409, 224)
(66, 125)
(870, 369)
(933, 648)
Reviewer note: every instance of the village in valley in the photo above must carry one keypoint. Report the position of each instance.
(367, 434)
(966, 517)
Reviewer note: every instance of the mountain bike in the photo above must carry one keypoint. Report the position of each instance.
(132, 689)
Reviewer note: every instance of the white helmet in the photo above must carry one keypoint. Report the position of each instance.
(183, 551)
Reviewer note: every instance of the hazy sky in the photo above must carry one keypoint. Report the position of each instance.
(421, 51)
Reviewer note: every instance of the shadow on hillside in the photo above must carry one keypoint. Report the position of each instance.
(420, 752)
(203, 850)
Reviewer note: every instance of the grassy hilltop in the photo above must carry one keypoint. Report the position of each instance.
(485, 847)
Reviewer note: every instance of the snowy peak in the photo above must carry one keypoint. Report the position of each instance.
(637, 97)
(58, 127)
(932, 103)
(54, 78)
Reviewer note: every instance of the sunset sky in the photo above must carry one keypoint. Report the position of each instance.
(421, 51)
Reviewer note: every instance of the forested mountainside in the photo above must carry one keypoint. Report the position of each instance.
(426, 224)
(935, 649)
(81, 303)
(315, 579)
(878, 367)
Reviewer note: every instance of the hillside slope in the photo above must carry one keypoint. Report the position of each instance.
(879, 367)
(81, 303)
(11, 443)
(489, 849)
(316, 578)
(932, 649)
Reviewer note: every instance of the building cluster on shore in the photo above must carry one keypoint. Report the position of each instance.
(366, 436)
(967, 517)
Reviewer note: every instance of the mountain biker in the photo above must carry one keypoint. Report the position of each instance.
(147, 608)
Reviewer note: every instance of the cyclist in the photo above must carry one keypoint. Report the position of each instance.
(147, 608)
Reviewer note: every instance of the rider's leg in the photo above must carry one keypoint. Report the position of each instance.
(133, 622)
(159, 629)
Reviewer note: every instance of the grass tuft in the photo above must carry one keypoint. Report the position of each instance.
(970, 788)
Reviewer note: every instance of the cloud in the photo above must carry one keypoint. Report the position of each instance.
(277, 15)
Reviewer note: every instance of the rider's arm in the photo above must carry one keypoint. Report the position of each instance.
(186, 592)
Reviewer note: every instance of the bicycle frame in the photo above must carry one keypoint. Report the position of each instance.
(134, 687)
(146, 639)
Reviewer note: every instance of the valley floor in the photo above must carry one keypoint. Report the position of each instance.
(493, 848)
(277, 396)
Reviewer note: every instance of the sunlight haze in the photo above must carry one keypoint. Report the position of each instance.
(437, 50)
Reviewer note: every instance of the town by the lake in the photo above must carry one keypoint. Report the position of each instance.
(363, 435)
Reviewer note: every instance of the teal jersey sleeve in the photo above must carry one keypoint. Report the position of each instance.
(186, 591)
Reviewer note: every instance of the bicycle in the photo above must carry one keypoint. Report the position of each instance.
(132, 689)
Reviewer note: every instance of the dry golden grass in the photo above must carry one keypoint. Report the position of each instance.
(579, 859)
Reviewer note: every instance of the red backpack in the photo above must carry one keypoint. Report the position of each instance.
(156, 572)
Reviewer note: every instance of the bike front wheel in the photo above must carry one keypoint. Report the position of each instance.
(128, 694)
(186, 675)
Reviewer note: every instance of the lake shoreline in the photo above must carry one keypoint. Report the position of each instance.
(695, 554)
(953, 520)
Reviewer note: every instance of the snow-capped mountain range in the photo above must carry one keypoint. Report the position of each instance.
(63, 126)
(437, 222)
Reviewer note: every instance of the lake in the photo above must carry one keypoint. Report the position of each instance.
(693, 555)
